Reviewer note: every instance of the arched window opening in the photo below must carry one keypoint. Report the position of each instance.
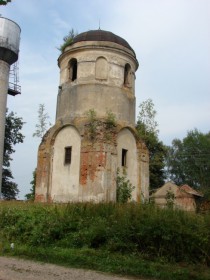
(127, 75)
(73, 69)
(101, 70)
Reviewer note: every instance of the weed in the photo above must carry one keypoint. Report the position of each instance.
(124, 188)
(110, 119)
(92, 123)
(129, 238)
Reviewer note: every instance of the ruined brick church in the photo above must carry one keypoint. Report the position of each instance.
(94, 135)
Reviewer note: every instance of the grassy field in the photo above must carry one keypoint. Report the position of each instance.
(127, 239)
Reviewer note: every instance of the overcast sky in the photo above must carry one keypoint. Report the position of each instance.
(171, 39)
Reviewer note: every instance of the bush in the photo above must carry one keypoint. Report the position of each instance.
(124, 188)
(127, 228)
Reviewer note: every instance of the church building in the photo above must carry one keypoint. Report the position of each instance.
(93, 139)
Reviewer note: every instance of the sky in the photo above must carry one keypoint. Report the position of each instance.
(171, 39)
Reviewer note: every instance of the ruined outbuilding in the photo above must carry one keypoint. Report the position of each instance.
(94, 134)
(183, 197)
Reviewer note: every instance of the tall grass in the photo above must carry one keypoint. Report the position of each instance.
(140, 230)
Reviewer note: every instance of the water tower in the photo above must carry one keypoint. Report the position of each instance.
(94, 137)
(9, 49)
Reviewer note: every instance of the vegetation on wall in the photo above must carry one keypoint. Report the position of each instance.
(110, 119)
(92, 126)
(94, 123)
(68, 39)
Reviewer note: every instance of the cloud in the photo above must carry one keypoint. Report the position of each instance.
(177, 120)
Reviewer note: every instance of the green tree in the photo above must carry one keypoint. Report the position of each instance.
(13, 136)
(188, 161)
(43, 123)
(31, 195)
(4, 2)
(146, 118)
(148, 132)
(41, 128)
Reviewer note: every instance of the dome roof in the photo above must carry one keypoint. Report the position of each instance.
(101, 35)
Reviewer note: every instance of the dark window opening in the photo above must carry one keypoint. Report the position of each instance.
(73, 69)
(124, 157)
(68, 151)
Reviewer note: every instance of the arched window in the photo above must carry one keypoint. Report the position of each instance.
(101, 70)
(127, 75)
(73, 69)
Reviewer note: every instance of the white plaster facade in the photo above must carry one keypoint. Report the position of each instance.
(66, 176)
(127, 142)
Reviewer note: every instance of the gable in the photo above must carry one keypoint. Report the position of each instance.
(167, 187)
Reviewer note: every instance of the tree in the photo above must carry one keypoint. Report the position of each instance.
(188, 161)
(13, 136)
(41, 128)
(43, 124)
(4, 2)
(31, 195)
(148, 132)
(146, 118)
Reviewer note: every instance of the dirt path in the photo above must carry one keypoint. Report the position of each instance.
(18, 269)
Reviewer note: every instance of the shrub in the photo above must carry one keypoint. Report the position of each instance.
(124, 188)
(131, 228)
(110, 119)
(92, 123)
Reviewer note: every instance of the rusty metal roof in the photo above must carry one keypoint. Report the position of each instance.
(190, 190)
(101, 35)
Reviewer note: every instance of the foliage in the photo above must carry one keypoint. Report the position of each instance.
(147, 131)
(43, 124)
(9, 188)
(68, 40)
(31, 195)
(5, 2)
(124, 188)
(188, 160)
(128, 230)
(110, 119)
(13, 136)
(92, 123)
(170, 197)
(146, 117)
(92, 115)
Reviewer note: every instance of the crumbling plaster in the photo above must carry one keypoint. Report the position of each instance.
(99, 160)
(98, 84)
